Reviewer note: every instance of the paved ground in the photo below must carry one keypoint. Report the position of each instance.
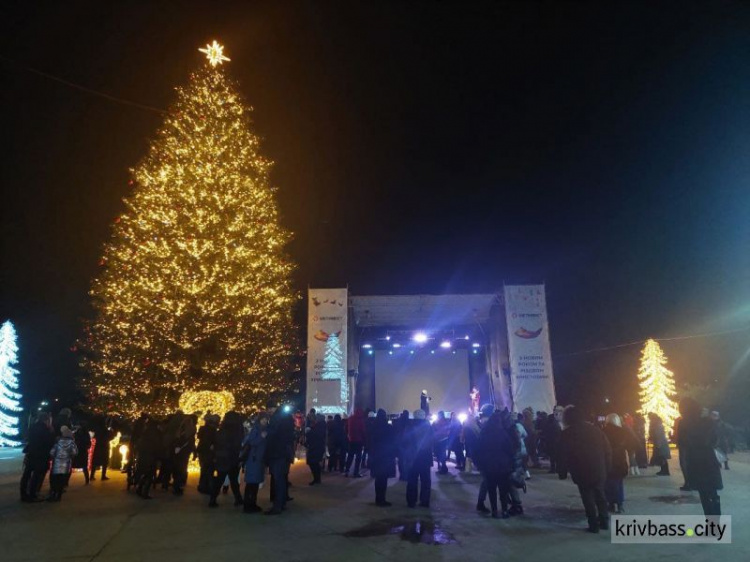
(338, 521)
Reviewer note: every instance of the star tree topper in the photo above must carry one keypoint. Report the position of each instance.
(215, 53)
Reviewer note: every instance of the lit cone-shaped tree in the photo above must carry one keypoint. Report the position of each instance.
(9, 398)
(195, 290)
(657, 386)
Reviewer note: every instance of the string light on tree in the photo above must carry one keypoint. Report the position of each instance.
(657, 385)
(9, 399)
(195, 290)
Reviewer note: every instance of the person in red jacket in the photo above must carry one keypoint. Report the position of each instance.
(356, 435)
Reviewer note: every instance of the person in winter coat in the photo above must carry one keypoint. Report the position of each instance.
(149, 447)
(205, 451)
(639, 428)
(103, 435)
(416, 448)
(36, 459)
(522, 435)
(279, 455)
(382, 456)
(183, 447)
(698, 440)
(63, 452)
(658, 438)
(621, 441)
(628, 424)
(316, 447)
(531, 437)
(226, 459)
(471, 438)
(254, 447)
(400, 429)
(441, 429)
(677, 437)
(519, 474)
(83, 444)
(356, 436)
(586, 454)
(495, 457)
(456, 441)
(369, 425)
(552, 431)
(722, 434)
(336, 444)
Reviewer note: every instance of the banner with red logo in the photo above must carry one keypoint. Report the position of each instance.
(327, 383)
(532, 381)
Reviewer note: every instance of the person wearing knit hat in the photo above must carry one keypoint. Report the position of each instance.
(62, 454)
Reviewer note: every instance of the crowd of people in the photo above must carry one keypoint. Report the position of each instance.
(502, 446)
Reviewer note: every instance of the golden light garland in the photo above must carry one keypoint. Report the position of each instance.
(195, 287)
(205, 401)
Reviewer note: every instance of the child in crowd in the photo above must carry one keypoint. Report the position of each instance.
(62, 453)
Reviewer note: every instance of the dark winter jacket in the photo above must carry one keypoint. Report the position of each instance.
(149, 446)
(382, 448)
(228, 446)
(255, 467)
(658, 439)
(103, 436)
(495, 451)
(83, 444)
(621, 441)
(280, 440)
(586, 454)
(316, 442)
(416, 444)
(552, 431)
(41, 439)
(356, 427)
(336, 434)
(697, 442)
(206, 441)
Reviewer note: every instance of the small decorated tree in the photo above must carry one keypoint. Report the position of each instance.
(657, 385)
(9, 398)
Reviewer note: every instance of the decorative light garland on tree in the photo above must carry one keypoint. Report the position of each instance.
(9, 398)
(195, 289)
(657, 386)
(205, 401)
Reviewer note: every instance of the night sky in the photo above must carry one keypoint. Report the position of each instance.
(420, 147)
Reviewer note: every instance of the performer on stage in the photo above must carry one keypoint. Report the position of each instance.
(474, 397)
(424, 402)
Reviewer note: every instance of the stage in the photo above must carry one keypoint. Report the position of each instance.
(382, 351)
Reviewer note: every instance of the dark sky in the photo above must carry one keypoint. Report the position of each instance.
(420, 147)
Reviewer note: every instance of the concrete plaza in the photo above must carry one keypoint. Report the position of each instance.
(339, 521)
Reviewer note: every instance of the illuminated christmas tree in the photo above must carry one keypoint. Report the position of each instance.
(657, 385)
(194, 292)
(9, 398)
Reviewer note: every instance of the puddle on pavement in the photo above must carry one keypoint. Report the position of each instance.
(675, 499)
(418, 531)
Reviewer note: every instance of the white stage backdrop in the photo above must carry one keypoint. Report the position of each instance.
(400, 378)
(532, 382)
(328, 391)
